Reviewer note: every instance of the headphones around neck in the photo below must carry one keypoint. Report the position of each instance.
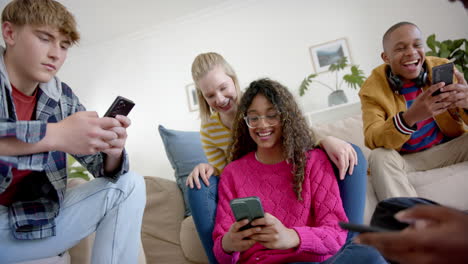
(396, 84)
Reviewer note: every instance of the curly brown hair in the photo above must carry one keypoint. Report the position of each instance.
(297, 137)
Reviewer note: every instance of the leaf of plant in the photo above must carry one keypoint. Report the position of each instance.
(444, 51)
(356, 78)
(457, 43)
(458, 56)
(431, 43)
(305, 83)
(339, 65)
(431, 53)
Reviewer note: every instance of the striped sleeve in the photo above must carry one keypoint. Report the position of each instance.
(401, 125)
(215, 139)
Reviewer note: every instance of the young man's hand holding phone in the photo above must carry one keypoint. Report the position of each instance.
(442, 73)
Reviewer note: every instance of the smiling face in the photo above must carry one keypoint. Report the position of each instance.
(404, 52)
(265, 135)
(34, 53)
(219, 91)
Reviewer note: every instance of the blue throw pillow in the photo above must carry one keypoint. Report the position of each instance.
(184, 151)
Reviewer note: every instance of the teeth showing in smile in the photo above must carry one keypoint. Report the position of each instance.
(264, 134)
(411, 62)
(225, 104)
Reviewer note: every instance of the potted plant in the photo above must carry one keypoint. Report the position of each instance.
(337, 96)
(454, 50)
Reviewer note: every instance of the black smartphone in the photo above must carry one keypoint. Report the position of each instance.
(361, 228)
(120, 106)
(247, 208)
(442, 73)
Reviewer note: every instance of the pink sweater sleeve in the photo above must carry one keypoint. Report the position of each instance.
(326, 238)
(224, 218)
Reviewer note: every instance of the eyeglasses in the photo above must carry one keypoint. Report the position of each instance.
(253, 121)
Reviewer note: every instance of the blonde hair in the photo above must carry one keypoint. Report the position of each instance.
(204, 63)
(42, 13)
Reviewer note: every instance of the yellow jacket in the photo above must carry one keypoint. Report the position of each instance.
(380, 106)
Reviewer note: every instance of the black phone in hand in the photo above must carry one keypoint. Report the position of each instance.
(442, 73)
(120, 106)
(361, 228)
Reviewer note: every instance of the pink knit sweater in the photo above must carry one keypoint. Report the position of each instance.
(315, 218)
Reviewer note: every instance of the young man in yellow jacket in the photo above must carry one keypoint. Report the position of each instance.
(409, 128)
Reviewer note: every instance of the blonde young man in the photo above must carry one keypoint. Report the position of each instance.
(409, 128)
(40, 121)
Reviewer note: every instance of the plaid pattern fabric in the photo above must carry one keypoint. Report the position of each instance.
(33, 217)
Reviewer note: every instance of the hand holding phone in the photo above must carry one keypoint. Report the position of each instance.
(442, 73)
(247, 208)
(361, 228)
(120, 106)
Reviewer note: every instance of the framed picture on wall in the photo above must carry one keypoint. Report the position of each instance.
(192, 97)
(328, 53)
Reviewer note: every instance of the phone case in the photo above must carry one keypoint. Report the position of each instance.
(443, 73)
(120, 106)
(247, 208)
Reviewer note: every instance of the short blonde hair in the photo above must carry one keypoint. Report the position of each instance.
(42, 13)
(204, 63)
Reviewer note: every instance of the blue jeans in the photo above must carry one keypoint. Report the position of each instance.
(351, 252)
(353, 189)
(203, 201)
(113, 210)
(203, 205)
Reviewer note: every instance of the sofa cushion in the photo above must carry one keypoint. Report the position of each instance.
(184, 151)
(163, 214)
(445, 185)
(190, 243)
(348, 129)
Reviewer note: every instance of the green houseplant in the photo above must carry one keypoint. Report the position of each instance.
(354, 79)
(454, 50)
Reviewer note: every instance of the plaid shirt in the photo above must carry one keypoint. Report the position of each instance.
(33, 215)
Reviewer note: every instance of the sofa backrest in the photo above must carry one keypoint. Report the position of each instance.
(341, 121)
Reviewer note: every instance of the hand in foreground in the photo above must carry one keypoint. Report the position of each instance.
(341, 153)
(273, 234)
(237, 241)
(203, 171)
(82, 133)
(437, 235)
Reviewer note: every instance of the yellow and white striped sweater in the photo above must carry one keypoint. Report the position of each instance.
(215, 139)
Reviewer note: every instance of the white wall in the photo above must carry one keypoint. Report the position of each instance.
(259, 38)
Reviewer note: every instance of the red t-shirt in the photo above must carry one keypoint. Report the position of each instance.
(25, 106)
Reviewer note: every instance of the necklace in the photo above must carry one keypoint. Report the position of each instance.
(256, 157)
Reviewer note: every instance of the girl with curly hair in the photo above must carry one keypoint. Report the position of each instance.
(219, 94)
(273, 158)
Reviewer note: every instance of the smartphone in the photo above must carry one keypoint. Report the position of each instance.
(442, 73)
(361, 228)
(120, 106)
(247, 208)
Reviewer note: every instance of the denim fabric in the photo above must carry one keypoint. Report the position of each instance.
(353, 189)
(351, 252)
(113, 210)
(203, 203)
